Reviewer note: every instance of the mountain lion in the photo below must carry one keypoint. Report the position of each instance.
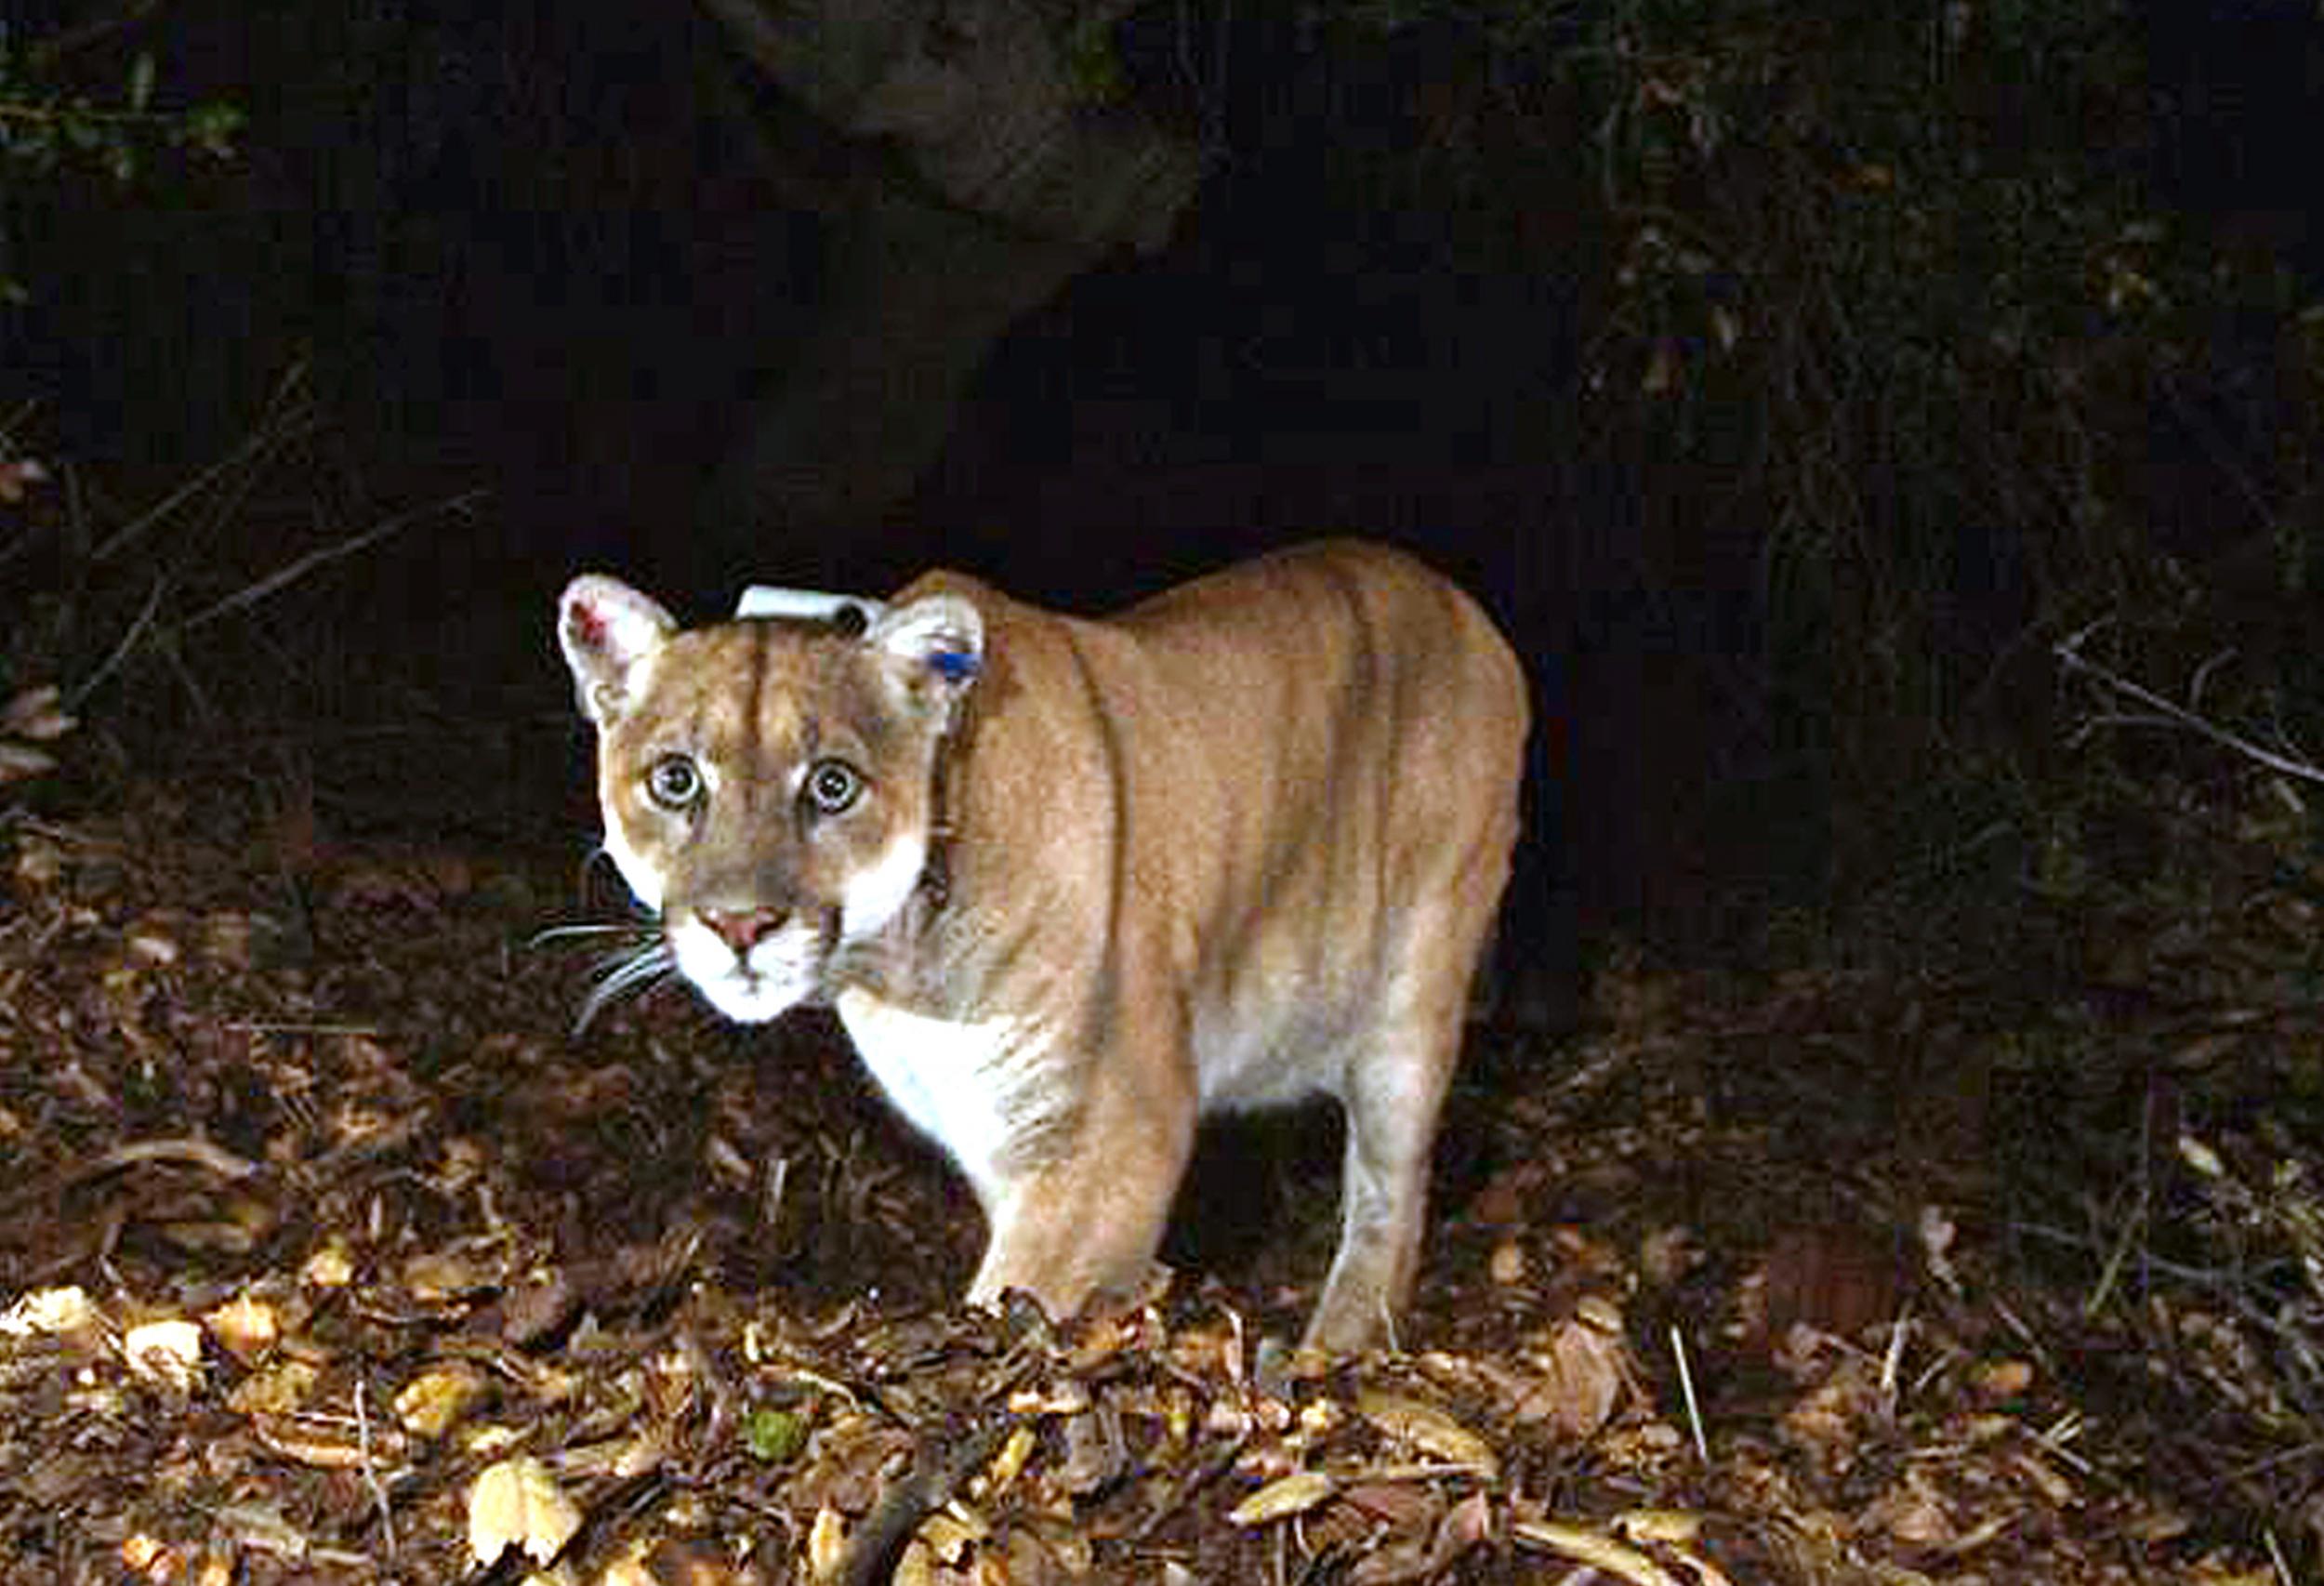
(1071, 882)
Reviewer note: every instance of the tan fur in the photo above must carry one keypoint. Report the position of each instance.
(1235, 847)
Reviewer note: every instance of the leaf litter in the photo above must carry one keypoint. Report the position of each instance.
(329, 1252)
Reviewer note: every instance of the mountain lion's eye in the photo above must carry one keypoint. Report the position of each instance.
(673, 782)
(832, 786)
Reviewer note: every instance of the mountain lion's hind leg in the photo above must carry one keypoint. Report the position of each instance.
(1394, 1086)
(1391, 1111)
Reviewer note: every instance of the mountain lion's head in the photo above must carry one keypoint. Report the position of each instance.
(769, 785)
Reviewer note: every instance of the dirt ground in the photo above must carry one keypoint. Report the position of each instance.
(330, 1250)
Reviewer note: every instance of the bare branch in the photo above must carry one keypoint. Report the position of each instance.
(2157, 711)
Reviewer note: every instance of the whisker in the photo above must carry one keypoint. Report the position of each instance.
(622, 973)
(640, 929)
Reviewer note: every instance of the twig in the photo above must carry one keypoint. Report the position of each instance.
(192, 1149)
(371, 1470)
(2110, 1271)
(2221, 1280)
(33, 953)
(260, 442)
(945, 1458)
(2055, 1437)
(46, 52)
(90, 684)
(2276, 1558)
(321, 556)
(1202, 1476)
(1893, 1359)
(2168, 714)
(296, 1027)
(1686, 1388)
(2134, 1227)
(1592, 1076)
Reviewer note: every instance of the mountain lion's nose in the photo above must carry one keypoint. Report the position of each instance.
(743, 929)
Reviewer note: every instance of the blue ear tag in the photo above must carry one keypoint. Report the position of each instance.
(953, 665)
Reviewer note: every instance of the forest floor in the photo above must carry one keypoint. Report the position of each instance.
(330, 1250)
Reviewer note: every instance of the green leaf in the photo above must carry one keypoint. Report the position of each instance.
(1094, 67)
(210, 127)
(774, 1436)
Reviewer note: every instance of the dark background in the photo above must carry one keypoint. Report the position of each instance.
(524, 249)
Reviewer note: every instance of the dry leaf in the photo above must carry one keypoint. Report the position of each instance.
(1394, 1564)
(149, 1556)
(49, 1311)
(1430, 1430)
(18, 475)
(20, 760)
(951, 1530)
(1294, 1494)
(1667, 1254)
(1913, 1516)
(1461, 1528)
(168, 1352)
(34, 714)
(827, 1544)
(517, 1502)
(1095, 1453)
(1622, 1562)
(430, 1402)
(2003, 1378)
(1403, 1504)
(1583, 1363)
(309, 1445)
(1825, 1421)
(1009, 1462)
(277, 1390)
(330, 1268)
(1677, 1527)
(246, 1328)
(917, 1567)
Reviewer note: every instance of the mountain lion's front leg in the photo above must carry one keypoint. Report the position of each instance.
(1080, 1228)
(1084, 1211)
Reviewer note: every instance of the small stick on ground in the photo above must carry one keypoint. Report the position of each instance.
(189, 1149)
(946, 1456)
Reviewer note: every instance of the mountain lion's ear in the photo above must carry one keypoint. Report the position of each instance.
(606, 627)
(939, 638)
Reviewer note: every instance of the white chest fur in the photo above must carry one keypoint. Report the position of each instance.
(977, 1087)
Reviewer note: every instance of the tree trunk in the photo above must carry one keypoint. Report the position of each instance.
(995, 179)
